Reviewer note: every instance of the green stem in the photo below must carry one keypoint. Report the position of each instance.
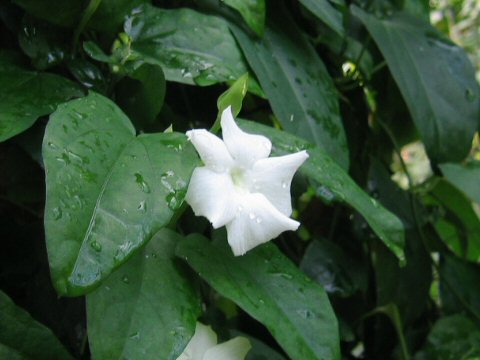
(87, 14)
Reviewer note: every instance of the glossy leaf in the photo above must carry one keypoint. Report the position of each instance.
(327, 13)
(299, 88)
(252, 11)
(436, 79)
(204, 54)
(22, 337)
(108, 191)
(27, 95)
(145, 310)
(336, 185)
(234, 95)
(271, 289)
(464, 177)
(452, 337)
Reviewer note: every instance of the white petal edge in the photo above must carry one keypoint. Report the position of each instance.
(243, 147)
(234, 349)
(273, 176)
(257, 222)
(203, 339)
(210, 194)
(212, 150)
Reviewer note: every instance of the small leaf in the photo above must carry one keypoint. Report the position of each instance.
(336, 184)
(191, 47)
(252, 11)
(299, 88)
(108, 191)
(435, 78)
(21, 337)
(147, 309)
(234, 96)
(271, 289)
(27, 95)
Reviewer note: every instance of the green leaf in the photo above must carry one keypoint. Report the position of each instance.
(108, 191)
(191, 47)
(298, 86)
(326, 12)
(459, 228)
(272, 290)
(234, 96)
(141, 93)
(147, 309)
(336, 184)
(459, 286)
(27, 95)
(22, 337)
(435, 78)
(452, 337)
(252, 11)
(88, 74)
(464, 177)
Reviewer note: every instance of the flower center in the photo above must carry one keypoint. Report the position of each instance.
(238, 177)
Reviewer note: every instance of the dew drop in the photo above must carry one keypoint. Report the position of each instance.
(125, 279)
(57, 213)
(259, 220)
(239, 208)
(251, 216)
(470, 95)
(142, 207)
(141, 182)
(95, 245)
(135, 336)
(284, 185)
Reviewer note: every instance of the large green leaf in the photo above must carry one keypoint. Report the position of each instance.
(464, 177)
(452, 337)
(435, 78)
(272, 290)
(22, 337)
(252, 11)
(299, 88)
(108, 191)
(27, 95)
(336, 184)
(191, 47)
(145, 310)
(325, 11)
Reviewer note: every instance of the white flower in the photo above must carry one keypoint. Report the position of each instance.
(240, 186)
(203, 346)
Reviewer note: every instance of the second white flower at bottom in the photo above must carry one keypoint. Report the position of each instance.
(240, 186)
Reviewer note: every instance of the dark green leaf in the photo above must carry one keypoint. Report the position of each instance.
(326, 12)
(272, 290)
(190, 47)
(299, 88)
(147, 309)
(460, 290)
(459, 228)
(252, 11)
(435, 78)
(88, 74)
(141, 93)
(45, 44)
(22, 337)
(95, 52)
(336, 184)
(464, 177)
(326, 263)
(27, 95)
(453, 337)
(108, 191)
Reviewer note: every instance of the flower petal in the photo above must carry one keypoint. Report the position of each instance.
(234, 349)
(256, 221)
(273, 176)
(244, 148)
(212, 150)
(210, 194)
(203, 339)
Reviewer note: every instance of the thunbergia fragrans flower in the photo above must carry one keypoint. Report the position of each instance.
(240, 186)
(203, 346)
